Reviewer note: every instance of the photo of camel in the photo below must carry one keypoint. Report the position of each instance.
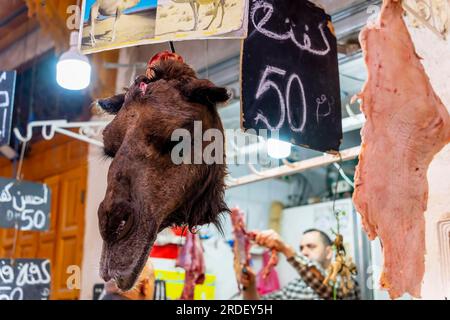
(199, 18)
(110, 24)
(113, 24)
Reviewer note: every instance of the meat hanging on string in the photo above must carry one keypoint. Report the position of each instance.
(407, 124)
(242, 243)
(191, 259)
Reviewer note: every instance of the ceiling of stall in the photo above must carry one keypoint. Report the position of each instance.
(14, 22)
(334, 6)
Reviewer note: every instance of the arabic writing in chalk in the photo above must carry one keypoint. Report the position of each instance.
(4, 104)
(27, 204)
(321, 101)
(25, 273)
(267, 8)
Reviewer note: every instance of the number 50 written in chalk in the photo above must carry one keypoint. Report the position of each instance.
(266, 84)
(33, 220)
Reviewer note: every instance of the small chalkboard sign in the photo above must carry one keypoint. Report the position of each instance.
(290, 77)
(98, 292)
(24, 279)
(7, 86)
(24, 204)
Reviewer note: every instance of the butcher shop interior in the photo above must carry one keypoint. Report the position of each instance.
(225, 150)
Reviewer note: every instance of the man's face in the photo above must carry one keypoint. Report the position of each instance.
(313, 247)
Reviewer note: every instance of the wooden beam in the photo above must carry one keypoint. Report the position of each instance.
(17, 33)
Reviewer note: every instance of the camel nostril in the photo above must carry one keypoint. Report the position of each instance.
(124, 226)
(115, 220)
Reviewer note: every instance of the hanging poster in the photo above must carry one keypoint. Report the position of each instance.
(107, 25)
(115, 24)
(197, 19)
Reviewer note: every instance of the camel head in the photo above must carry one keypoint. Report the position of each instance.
(146, 190)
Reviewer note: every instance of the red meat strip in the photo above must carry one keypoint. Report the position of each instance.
(192, 261)
(242, 242)
(406, 126)
(241, 237)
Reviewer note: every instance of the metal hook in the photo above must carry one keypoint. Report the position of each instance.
(51, 134)
(172, 47)
(22, 138)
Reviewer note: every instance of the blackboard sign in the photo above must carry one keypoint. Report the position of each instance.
(24, 279)
(98, 292)
(290, 76)
(26, 204)
(7, 86)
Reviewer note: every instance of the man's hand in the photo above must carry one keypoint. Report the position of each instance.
(272, 240)
(247, 278)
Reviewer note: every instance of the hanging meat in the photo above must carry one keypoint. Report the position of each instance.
(192, 261)
(242, 243)
(407, 124)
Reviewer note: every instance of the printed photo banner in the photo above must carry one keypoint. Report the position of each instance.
(107, 25)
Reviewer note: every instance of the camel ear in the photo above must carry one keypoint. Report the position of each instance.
(113, 104)
(205, 92)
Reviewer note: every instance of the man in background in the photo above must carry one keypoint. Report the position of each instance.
(315, 250)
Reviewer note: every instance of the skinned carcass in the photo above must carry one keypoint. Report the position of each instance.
(407, 124)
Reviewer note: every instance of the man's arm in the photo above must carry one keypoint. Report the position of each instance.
(310, 274)
(314, 278)
(272, 240)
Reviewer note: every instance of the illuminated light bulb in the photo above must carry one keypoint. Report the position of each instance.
(278, 149)
(73, 71)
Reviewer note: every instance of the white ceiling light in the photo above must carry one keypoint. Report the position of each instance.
(73, 71)
(278, 149)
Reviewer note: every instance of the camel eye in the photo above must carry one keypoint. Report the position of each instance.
(141, 79)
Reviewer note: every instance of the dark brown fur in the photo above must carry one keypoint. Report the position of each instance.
(146, 191)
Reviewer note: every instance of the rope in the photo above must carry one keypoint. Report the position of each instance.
(16, 223)
(172, 47)
(343, 175)
(336, 216)
(207, 58)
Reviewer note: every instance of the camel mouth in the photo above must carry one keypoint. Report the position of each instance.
(124, 258)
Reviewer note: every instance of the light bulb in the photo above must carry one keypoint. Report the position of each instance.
(73, 71)
(278, 149)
